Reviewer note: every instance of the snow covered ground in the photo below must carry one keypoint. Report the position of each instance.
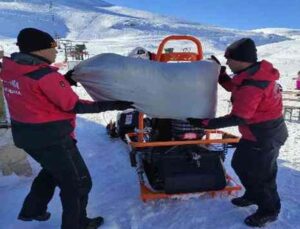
(115, 194)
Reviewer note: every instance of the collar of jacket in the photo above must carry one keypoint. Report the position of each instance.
(245, 73)
(28, 59)
(250, 70)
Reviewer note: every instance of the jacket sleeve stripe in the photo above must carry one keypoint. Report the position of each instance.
(256, 83)
(38, 74)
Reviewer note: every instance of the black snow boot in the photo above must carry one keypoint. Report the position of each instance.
(93, 223)
(242, 201)
(43, 217)
(260, 218)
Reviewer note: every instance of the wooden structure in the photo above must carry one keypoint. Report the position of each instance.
(2, 104)
(3, 115)
(291, 105)
(74, 51)
(291, 113)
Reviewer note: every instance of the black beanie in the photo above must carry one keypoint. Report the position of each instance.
(242, 50)
(30, 39)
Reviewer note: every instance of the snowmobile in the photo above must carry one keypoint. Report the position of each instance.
(171, 157)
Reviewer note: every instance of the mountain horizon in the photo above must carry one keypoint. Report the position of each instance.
(87, 20)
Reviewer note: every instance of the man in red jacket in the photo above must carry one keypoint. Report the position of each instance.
(43, 106)
(257, 110)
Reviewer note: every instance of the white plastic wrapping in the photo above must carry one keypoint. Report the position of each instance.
(162, 90)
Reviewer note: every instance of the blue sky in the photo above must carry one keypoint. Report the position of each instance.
(240, 14)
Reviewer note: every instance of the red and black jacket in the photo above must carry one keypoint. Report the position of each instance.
(256, 104)
(41, 103)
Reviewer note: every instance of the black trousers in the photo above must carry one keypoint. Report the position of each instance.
(62, 166)
(256, 166)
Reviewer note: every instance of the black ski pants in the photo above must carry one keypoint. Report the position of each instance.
(62, 166)
(256, 167)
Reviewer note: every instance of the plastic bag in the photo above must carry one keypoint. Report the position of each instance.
(161, 90)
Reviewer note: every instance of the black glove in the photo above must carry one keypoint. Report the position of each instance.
(197, 122)
(68, 77)
(116, 105)
(212, 57)
(223, 75)
(83, 107)
(223, 68)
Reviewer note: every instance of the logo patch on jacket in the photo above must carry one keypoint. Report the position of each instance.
(62, 83)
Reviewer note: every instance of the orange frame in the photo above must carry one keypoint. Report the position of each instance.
(226, 138)
(147, 194)
(141, 143)
(179, 56)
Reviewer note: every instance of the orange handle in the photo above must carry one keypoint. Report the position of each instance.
(179, 56)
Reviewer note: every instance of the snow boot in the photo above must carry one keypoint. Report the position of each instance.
(43, 217)
(242, 201)
(260, 218)
(93, 223)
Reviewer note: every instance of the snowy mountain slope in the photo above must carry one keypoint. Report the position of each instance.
(292, 33)
(97, 20)
(114, 26)
(285, 56)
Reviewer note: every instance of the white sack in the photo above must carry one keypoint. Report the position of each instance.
(163, 90)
